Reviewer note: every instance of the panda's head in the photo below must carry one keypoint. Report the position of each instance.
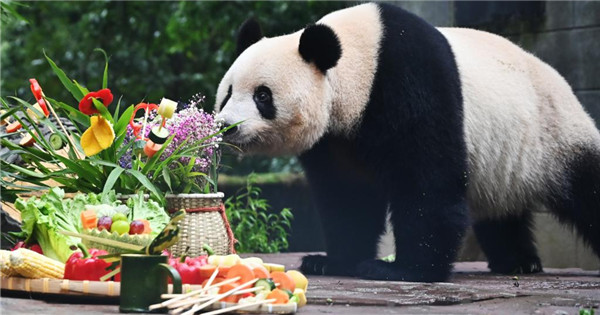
(277, 88)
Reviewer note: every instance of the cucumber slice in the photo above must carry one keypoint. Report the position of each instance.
(289, 293)
(267, 284)
(159, 137)
(56, 142)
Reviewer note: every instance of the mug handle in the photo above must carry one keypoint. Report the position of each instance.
(174, 276)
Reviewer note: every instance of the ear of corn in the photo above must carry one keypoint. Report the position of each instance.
(5, 268)
(30, 264)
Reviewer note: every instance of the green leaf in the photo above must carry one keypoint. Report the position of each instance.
(167, 177)
(103, 110)
(112, 179)
(68, 84)
(105, 76)
(146, 183)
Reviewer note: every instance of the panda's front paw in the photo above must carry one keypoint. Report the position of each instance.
(375, 269)
(323, 265)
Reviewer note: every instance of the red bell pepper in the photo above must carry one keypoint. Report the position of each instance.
(36, 89)
(34, 247)
(189, 268)
(85, 265)
(86, 105)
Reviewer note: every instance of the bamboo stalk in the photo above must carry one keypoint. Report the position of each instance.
(237, 307)
(104, 241)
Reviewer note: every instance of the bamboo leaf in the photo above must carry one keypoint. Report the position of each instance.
(112, 179)
(67, 83)
(105, 76)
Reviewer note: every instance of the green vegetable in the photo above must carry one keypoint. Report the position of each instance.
(294, 299)
(267, 284)
(43, 217)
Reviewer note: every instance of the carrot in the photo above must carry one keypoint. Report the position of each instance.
(151, 148)
(260, 271)
(223, 271)
(285, 281)
(12, 127)
(206, 271)
(226, 287)
(280, 296)
(89, 220)
(147, 228)
(242, 271)
(217, 280)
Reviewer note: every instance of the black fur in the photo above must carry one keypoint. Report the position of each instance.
(263, 98)
(580, 205)
(319, 44)
(227, 97)
(248, 34)
(508, 244)
(409, 153)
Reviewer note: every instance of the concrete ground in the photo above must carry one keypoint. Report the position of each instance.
(472, 290)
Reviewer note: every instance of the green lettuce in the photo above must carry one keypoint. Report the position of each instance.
(43, 217)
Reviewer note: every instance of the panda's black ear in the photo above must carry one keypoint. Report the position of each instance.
(319, 44)
(248, 34)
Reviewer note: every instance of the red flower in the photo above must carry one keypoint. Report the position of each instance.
(86, 105)
(36, 89)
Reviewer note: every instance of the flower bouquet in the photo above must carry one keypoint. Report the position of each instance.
(143, 148)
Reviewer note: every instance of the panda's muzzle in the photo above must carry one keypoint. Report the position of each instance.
(230, 130)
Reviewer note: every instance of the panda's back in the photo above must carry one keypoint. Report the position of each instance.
(522, 123)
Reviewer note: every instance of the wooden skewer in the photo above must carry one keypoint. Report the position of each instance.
(178, 297)
(219, 296)
(68, 134)
(199, 291)
(236, 307)
(212, 277)
(187, 303)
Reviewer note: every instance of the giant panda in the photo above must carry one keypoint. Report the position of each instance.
(442, 128)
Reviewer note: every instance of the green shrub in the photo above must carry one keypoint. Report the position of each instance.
(256, 228)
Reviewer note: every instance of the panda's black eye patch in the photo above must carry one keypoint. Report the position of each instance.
(227, 97)
(264, 102)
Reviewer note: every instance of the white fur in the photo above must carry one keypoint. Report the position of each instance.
(522, 123)
(308, 103)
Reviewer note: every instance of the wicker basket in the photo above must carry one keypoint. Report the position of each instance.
(205, 223)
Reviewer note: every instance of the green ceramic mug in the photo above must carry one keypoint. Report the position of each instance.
(143, 280)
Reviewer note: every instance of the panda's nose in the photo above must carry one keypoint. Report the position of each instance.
(231, 131)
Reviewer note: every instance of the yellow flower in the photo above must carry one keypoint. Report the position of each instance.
(98, 137)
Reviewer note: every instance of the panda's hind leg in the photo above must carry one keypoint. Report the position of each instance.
(508, 244)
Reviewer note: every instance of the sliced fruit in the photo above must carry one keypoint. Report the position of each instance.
(260, 271)
(226, 287)
(280, 296)
(230, 260)
(299, 279)
(27, 141)
(159, 135)
(252, 260)
(284, 280)
(151, 148)
(56, 142)
(167, 107)
(89, 220)
(274, 267)
(147, 228)
(217, 280)
(206, 271)
(35, 117)
(12, 127)
(301, 295)
(6, 120)
(243, 271)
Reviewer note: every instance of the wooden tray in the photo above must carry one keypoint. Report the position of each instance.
(112, 289)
